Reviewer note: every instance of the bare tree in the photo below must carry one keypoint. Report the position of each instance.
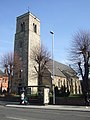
(41, 57)
(80, 54)
(10, 62)
(7, 63)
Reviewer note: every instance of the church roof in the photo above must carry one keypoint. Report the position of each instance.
(61, 70)
(1, 73)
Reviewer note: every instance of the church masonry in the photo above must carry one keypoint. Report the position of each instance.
(26, 38)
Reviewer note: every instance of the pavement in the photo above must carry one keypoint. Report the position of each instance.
(50, 107)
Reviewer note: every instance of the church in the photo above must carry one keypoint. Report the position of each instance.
(27, 36)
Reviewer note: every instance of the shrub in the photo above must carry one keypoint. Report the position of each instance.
(63, 92)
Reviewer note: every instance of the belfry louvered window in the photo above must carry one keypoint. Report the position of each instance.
(34, 27)
(22, 26)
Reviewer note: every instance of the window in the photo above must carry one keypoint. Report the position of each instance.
(35, 28)
(20, 74)
(22, 26)
(5, 80)
(59, 83)
(64, 82)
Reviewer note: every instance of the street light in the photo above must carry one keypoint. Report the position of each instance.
(52, 53)
(53, 65)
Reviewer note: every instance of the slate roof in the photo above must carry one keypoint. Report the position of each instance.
(61, 70)
(1, 73)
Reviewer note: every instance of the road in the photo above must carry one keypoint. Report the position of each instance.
(7, 113)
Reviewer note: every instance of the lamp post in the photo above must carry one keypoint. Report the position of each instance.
(53, 65)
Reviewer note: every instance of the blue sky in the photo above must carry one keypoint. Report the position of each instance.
(64, 17)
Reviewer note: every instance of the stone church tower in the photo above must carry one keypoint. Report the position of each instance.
(26, 38)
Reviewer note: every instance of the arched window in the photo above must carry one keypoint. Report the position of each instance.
(20, 74)
(22, 26)
(59, 83)
(71, 85)
(64, 82)
(34, 27)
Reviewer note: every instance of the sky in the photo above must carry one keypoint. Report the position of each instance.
(63, 17)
